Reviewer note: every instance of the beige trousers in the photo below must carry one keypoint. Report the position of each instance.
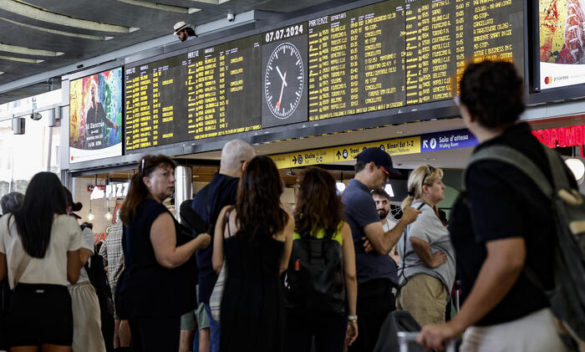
(533, 333)
(425, 298)
(87, 323)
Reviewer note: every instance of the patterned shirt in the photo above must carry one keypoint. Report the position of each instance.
(113, 255)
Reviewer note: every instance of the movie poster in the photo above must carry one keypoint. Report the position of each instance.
(562, 43)
(95, 116)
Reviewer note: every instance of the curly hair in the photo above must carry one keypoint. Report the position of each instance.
(493, 93)
(318, 205)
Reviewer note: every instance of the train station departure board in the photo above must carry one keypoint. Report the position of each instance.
(398, 53)
(386, 55)
(204, 93)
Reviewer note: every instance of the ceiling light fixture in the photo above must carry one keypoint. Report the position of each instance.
(577, 168)
(213, 2)
(57, 32)
(161, 7)
(14, 49)
(21, 59)
(38, 13)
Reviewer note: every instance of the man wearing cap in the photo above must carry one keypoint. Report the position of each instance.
(184, 31)
(376, 272)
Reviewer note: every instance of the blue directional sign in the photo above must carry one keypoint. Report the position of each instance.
(447, 140)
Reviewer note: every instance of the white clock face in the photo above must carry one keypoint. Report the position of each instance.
(283, 80)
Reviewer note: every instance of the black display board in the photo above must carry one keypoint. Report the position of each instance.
(387, 55)
(199, 94)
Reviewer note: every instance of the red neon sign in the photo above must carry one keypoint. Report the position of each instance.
(561, 137)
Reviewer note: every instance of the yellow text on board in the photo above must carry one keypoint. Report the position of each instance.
(398, 146)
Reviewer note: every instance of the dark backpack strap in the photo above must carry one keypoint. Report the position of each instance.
(517, 159)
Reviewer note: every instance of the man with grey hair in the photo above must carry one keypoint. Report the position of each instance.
(208, 202)
(11, 202)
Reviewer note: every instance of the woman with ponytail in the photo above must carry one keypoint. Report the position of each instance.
(157, 285)
(427, 261)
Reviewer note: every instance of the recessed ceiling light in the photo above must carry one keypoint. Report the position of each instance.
(161, 7)
(27, 10)
(27, 51)
(58, 32)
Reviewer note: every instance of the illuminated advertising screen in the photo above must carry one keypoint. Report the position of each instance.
(562, 43)
(95, 116)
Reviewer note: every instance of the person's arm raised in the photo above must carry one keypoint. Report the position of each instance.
(164, 243)
(288, 242)
(383, 242)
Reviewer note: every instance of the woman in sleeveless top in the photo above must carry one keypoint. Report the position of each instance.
(427, 258)
(39, 251)
(255, 238)
(319, 210)
(158, 282)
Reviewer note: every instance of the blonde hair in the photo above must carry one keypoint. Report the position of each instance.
(422, 175)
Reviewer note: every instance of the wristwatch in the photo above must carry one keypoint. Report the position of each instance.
(352, 318)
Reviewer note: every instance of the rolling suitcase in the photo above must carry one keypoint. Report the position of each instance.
(405, 338)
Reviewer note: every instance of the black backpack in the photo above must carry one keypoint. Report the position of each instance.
(314, 279)
(99, 280)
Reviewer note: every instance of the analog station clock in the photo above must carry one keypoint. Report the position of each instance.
(284, 80)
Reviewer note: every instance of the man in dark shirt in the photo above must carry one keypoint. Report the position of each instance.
(500, 226)
(376, 271)
(208, 202)
(95, 120)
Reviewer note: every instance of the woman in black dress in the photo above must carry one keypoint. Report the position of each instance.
(255, 238)
(155, 288)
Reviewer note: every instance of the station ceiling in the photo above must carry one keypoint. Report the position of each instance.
(38, 36)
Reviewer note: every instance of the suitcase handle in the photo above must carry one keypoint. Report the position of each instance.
(405, 337)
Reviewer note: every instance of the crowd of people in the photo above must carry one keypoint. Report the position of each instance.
(253, 275)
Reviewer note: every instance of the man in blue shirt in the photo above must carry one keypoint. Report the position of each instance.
(376, 272)
(208, 202)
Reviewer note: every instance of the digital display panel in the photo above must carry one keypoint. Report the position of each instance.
(562, 43)
(95, 116)
(355, 63)
(398, 53)
(223, 89)
(156, 108)
(386, 55)
(203, 93)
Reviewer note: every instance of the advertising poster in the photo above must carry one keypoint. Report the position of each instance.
(95, 116)
(562, 43)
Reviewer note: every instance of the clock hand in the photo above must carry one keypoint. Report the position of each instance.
(281, 75)
(281, 90)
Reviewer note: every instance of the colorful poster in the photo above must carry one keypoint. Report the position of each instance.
(562, 43)
(95, 116)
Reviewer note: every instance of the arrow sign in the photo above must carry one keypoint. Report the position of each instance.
(338, 155)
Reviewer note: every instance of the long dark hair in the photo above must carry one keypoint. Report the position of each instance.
(138, 191)
(318, 205)
(258, 201)
(43, 199)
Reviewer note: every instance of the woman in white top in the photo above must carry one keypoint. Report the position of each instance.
(427, 268)
(39, 251)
